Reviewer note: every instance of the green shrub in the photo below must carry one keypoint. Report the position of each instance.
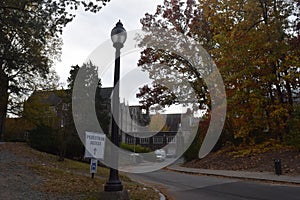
(138, 148)
(74, 147)
(43, 138)
(192, 152)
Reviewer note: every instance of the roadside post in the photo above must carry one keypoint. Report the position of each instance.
(93, 167)
(277, 165)
(94, 149)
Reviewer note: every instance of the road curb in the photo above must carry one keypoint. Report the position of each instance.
(161, 195)
(254, 176)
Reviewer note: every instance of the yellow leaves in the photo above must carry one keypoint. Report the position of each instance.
(70, 178)
(250, 41)
(267, 146)
(243, 132)
(220, 38)
(64, 182)
(279, 112)
(278, 117)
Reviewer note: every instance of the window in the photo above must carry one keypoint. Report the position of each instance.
(129, 140)
(158, 140)
(171, 139)
(144, 140)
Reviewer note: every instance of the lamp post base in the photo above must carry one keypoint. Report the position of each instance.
(113, 187)
(113, 184)
(115, 195)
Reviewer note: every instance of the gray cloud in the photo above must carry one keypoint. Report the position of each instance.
(88, 30)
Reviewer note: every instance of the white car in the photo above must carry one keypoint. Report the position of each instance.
(160, 154)
(136, 158)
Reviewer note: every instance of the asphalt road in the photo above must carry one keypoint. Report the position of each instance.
(193, 187)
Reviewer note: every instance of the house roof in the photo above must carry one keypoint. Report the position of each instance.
(52, 97)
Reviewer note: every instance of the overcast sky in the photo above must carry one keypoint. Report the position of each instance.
(88, 30)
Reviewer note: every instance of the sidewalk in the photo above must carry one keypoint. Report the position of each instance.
(258, 176)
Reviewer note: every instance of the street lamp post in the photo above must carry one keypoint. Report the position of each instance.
(118, 37)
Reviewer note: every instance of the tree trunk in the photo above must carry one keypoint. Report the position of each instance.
(62, 150)
(289, 91)
(3, 102)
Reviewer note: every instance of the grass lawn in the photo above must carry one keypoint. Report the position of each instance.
(73, 178)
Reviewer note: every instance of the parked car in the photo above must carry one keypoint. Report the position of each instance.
(160, 154)
(171, 153)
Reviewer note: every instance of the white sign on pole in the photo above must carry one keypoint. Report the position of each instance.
(94, 145)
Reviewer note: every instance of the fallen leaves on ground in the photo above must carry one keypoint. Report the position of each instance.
(259, 159)
(72, 177)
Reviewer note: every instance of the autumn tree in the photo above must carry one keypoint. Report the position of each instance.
(175, 72)
(30, 41)
(258, 65)
(250, 41)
